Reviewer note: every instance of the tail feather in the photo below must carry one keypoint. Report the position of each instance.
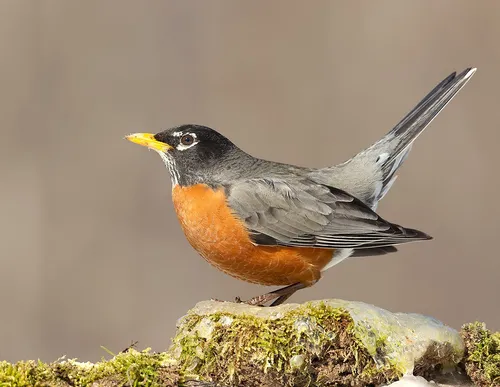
(415, 122)
(376, 251)
(370, 174)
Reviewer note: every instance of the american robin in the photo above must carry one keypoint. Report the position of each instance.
(278, 224)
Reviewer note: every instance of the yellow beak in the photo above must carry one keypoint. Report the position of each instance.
(147, 139)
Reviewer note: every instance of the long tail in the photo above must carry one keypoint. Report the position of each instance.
(370, 174)
(399, 140)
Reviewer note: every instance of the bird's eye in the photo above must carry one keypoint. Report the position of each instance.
(187, 139)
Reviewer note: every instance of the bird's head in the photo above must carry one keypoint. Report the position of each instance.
(192, 153)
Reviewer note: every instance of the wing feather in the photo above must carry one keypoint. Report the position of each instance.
(300, 212)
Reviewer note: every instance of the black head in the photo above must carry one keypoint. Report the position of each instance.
(192, 153)
(197, 143)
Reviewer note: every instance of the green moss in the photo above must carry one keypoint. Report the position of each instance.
(482, 360)
(320, 343)
(131, 368)
(309, 344)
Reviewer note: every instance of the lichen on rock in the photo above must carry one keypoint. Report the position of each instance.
(330, 342)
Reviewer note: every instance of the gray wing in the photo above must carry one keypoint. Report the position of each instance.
(300, 212)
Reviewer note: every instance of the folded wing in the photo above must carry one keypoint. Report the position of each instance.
(299, 212)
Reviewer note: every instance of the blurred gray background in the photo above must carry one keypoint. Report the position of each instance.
(91, 251)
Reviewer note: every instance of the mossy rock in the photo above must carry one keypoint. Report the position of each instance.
(130, 368)
(482, 356)
(320, 343)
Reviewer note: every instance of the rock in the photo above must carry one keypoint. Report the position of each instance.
(329, 342)
(317, 344)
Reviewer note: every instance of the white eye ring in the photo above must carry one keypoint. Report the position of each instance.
(186, 141)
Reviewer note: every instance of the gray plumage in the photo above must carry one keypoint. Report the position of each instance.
(288, 205)
(303, 213)
(370, 174)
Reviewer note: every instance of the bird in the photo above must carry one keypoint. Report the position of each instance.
(278, 224)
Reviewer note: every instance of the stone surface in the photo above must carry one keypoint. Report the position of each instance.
(293, 339)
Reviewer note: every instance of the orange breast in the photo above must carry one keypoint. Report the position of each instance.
(223, 240)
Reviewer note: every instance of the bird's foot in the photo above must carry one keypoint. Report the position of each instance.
(260, 300)
(237, 300)
(279, 296)
(252, 302)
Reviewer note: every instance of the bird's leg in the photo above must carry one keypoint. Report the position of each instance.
(280, 295)
(281, 299)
